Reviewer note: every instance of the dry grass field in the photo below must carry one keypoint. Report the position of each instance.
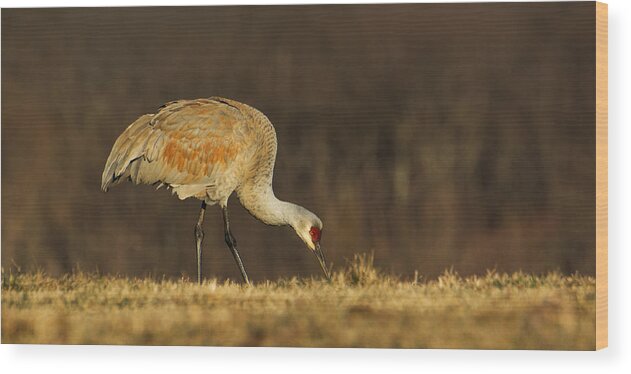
(360, 307)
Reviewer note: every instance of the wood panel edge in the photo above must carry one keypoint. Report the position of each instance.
(601, 177)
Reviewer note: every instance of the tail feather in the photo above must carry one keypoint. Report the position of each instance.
(129, 146)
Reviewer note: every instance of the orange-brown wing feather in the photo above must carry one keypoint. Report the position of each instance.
(192, 145)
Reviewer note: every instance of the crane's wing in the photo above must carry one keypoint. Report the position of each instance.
(190, 145)
(129, 146)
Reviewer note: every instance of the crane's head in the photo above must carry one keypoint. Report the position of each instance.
(309, 228)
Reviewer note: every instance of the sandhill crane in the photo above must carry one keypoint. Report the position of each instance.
(208, 149)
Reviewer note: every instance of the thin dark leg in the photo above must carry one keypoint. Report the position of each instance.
(232, 244)
(199, 237)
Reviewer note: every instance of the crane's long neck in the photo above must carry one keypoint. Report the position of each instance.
(263, 204)
(256, 194)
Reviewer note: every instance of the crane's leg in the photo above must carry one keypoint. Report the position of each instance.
(199, 237)
(232, 244)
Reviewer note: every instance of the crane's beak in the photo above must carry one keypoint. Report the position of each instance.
(322, 260)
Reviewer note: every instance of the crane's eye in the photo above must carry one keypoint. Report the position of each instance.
(315, 234)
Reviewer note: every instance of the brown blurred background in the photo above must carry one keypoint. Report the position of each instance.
(435, 135)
